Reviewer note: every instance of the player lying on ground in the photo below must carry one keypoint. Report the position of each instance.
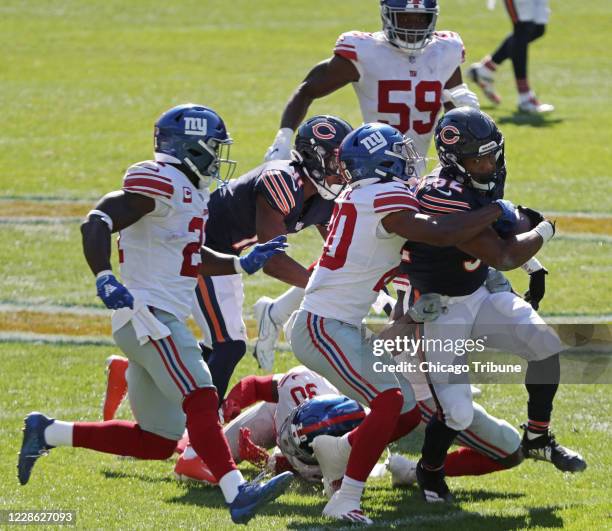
(160, 213)
(402, 76)
(372, 219)
(451, 280)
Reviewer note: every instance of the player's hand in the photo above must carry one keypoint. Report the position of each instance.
(262, 252)
(508, 218)
(537, 288)
(281, 147)
(249, 451)
(114, 295)
(534, 216)
(231, 409)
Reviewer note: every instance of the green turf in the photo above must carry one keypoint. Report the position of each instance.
(82, 83)
(109, 492)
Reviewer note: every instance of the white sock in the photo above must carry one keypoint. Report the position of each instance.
(351, 489)
(229, 484)
(286, 304)
(189, 453)
(59, 433)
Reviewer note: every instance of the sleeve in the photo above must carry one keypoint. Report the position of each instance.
(454, 42)
(436, 201)
(394, 199)
(346, 46)
(279, 189)
(146, 180)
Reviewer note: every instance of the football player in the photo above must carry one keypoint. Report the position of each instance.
(402, 76)
(451, 280)
(372, 219)
(276, 198)
(159, 214)
(251, 431)
(529, 19)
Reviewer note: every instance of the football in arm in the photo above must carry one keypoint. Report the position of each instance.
(523, 224)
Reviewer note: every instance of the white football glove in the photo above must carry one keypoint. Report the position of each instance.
(459, 96)
(281, 147)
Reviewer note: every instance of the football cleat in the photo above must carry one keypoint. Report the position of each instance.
(252, 495)
(116, 385)
(330, 487)
(33, 445)
(267, 335)
(332, 454)
(194, 470)
(433, 487)
(484, 78)
(546, 448)
(403, 471)
(341, 508)
(530, 104)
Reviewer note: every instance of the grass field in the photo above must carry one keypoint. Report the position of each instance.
(83, 82)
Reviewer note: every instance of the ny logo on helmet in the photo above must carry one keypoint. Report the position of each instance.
(374, 142)
(195, 126)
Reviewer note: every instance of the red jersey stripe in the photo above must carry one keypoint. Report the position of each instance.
(392, 208)
(274, 182)
(436, 209)
(347, 54)
(285, 187)
(147, 191)
(274, 195)
(149, 183)
(396, 199)
(135, 173)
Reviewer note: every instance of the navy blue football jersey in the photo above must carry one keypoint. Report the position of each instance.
(232, 208)
(445, 270)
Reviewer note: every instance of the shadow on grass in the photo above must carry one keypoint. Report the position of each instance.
(533, 120)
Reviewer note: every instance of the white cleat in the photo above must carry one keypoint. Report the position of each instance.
(267, 335)
(531, 105)
(485, 79)
(332, 454)
(340, 508)
(403, 471)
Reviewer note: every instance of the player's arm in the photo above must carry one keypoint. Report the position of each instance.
(270, 223)
(247, 391)
(323, 231)
(457, 94)
(215, 263)
(114, 212)
(510, 253)
(443, 231)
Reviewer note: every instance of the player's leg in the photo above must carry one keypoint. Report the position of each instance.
(512, 325)
(218, 313)
(270, 316)
(337, 351)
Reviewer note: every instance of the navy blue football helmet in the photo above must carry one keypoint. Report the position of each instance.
(398, 27)
(316, 149)
(377, 151)
(195, 136)
(321, 415)
(464, 133)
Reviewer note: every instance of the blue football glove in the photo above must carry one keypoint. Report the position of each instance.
(114, 295)
(509, 216)
(261, 253)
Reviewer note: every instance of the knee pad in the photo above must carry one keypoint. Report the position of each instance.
(512, 460)
(459, 416)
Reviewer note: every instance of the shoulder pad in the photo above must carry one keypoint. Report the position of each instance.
(452, 40)
(348, 43)
(279, 188)
(393, 197)
(149, 178)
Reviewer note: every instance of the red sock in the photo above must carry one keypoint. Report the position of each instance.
(468, 462)
(205, 431)
(522, 85)
(121, 437)
(488, 63)
(406, 423)
(370, 438)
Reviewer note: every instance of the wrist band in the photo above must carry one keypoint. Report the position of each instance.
(532, 265)
(238, 265)
(104, 273)
(545, 229)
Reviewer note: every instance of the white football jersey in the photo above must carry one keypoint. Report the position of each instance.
(296, 386)
(159, 255)
(400, 88)
(359, 256)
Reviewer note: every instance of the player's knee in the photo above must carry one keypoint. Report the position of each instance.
(512, 460)
(538, 31)
(202, 404)
(155, 446)
(390, 401)
(459, 416)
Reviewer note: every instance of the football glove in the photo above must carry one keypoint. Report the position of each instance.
(537, 288)
(534, 216)
(508, 219)
(496, 281)
(114, 295)
(261, 253)
(231, 409)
